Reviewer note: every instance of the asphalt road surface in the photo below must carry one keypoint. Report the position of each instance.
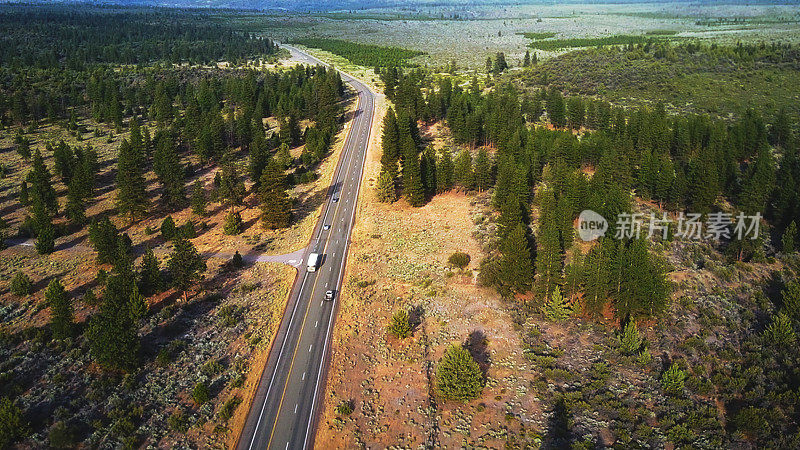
(284, 410)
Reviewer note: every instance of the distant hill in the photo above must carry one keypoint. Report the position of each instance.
(334, 5)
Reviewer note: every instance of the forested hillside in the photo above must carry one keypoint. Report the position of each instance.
(544, 157)
(63, 36)
(130, 186)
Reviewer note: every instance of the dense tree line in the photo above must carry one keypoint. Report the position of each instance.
(681, 162)
(78, 36)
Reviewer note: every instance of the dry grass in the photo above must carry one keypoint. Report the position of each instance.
(398, 260)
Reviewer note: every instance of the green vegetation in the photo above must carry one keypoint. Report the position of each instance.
(12, 423)
(540, 35)
(458, 376)
(400, 327)
(673, 380)
(459, 259)
(541, 43)
(201, 393)
(688, 76)
(47, 37)
(21, 284)
(363, 54)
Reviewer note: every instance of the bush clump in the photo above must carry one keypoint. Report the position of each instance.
(21, 285)
(201, 393)
(459, 260)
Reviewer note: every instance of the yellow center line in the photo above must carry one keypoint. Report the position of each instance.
(313, 287)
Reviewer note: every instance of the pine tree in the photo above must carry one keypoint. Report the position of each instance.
(597, 276)
(40, 184)
(233, 223)
(556, 309)
(390, 143)
(444, 171)
(199, 200)
(259, 158)
(555, 108)
(61, 316)
(516, 269)
(499, 63)
(575, 112)
(170, 172)
(483, 171)
(673, 380)
(630, 342)
(385, 189)
(150, 281)
(511, 214)
(186, 265)
(103, 236)
(231, 189)
(113, 332)
(428, 172)
(548, 258)
(45, 239)
(643, 287)
(76, 206)
(458, 375)
(789, 239)
(791, 299)
(276, 207)
(64, 161)
(413, 188)
(527, 60)
(43, 222)
(131, 186)
(462, 172)
(283, 156)
(168, 228)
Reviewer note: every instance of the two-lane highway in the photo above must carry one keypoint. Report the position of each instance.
(283, 412)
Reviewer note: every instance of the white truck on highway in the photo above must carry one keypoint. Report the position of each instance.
(313, 262)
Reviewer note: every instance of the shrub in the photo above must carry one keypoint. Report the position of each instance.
(21, 285)
(61, 436)
(178, 421)
(345, 408)
(201, 393)
(672, 380)
(400, 326)
(780, 332)
(233, 223)
(227, 410)
(12, 424)
(459, 260)
(458, 376)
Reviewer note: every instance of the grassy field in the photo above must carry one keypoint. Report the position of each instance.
(468, 36)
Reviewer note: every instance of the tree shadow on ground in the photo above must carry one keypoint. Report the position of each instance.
(558, 427)
(477, 343)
